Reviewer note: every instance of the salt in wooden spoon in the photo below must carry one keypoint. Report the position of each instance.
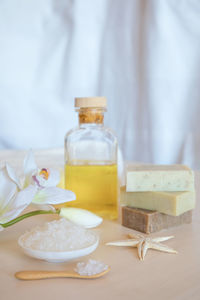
(32, 275)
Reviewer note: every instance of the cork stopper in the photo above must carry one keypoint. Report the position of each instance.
(85, 102)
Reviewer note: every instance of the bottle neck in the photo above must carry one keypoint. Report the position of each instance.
(91, 117)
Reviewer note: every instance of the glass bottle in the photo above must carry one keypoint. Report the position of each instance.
(91, 160)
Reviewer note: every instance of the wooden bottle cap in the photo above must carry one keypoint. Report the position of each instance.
(90, 102)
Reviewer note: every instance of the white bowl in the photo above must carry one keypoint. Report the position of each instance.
(58, 256)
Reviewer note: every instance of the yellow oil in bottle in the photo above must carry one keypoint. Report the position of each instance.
(96, 188)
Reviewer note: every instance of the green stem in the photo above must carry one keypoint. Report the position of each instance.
(29, 214)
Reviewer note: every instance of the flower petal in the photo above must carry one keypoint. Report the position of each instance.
(54, 178)
(53, 195)
(7, 188)
(12, 175)
(11, 214)
(25, 197)
(81, 217)
(5, 203)
(29, 164)
(18, 204)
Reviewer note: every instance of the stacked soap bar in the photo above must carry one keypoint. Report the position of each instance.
(163, 195)
(171, 203)
(168, 178)
(151, 221)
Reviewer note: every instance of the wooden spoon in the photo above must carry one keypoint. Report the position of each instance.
(31, 275)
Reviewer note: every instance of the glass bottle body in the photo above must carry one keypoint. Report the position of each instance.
(91, 165)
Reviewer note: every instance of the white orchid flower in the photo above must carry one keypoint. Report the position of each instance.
(12, 201)
(46, 181)
(38, 186)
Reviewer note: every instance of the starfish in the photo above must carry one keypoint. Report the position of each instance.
(144, 243)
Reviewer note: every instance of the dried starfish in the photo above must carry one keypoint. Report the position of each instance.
(144, 243)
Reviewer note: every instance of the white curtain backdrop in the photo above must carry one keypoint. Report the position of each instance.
(143, 55)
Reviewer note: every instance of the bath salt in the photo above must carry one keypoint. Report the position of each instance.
(91, 267)
(59, 235)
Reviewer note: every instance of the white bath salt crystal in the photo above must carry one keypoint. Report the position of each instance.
(60, 235)
(92, 267)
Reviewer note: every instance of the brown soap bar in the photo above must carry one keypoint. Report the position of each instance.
(149, 221)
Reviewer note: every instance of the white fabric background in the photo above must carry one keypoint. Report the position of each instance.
(143, 55)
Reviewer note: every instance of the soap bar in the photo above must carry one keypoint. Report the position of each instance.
(170, 203)
(151, 221)
(173, 178)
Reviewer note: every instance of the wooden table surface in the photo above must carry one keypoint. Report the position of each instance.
(159, 276)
